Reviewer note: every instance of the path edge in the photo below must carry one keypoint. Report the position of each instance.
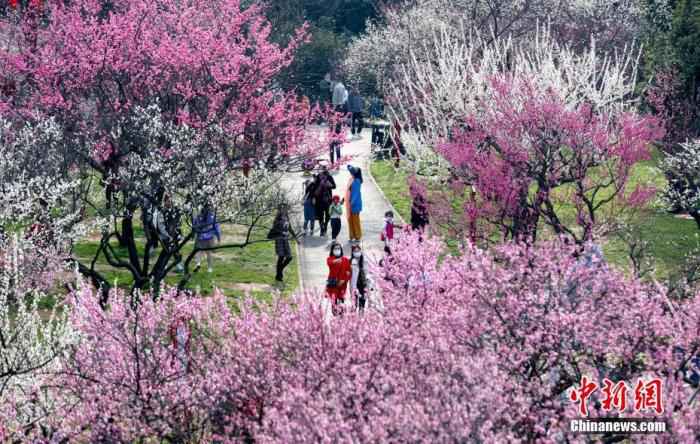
(300, 264)
(368, 168)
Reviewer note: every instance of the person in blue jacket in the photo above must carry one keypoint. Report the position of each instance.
(207, 228)
(353, 200)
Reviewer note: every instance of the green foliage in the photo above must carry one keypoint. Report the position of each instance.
(674, 41)
(331, 25)
(685, 38)
(313, 61)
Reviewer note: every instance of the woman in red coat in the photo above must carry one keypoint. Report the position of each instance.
(339, 272)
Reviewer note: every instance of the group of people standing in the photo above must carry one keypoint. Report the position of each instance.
(320, 204)
(323, 203)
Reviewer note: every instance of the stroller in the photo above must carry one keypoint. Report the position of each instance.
(381, 140)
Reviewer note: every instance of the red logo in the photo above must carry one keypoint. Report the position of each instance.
(647, 395)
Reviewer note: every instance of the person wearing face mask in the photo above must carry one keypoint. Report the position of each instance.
(358, 279)
(339, 274)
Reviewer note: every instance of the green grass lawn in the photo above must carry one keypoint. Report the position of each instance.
(670, 238)
(393, 183)
(235, 271)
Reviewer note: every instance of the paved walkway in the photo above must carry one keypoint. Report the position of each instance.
(313, 250)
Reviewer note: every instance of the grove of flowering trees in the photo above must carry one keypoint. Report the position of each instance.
(133, 103)
(525, 126)
(114, 112)
(406, 31)
(481, 347)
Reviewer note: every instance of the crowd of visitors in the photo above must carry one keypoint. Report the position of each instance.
(324, 204)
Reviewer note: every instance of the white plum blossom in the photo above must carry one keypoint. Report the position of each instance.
(32, 340)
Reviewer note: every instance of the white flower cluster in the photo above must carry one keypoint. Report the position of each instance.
(31, 341)
(458, 80)
(434, 97)
(193, 168)
(39, 185)
(682, 168)
(373, 60)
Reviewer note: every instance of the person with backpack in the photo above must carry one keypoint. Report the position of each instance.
(339, 274)
(323, 195)
(353, 200)
(336, 213)
(358, 280)
(206, 229)
(309, 211)
(280, 232)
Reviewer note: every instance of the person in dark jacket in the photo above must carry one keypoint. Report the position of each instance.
(323, 195)
(358, 279)
(376, 111)
(419, 213)
(282, 229)
(356, 106)
(309, 207)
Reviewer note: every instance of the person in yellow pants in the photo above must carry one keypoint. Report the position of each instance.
(354, 203)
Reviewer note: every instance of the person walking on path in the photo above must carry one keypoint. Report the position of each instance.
(376, 108)
(336, 212)
(337, 124)
(340, 97)
(207, 228)
(339, 274)
(309, 210)
(376, 112)
(323, 195)
(280, 232)
(356, 106)
(358, 279)
(353, 199)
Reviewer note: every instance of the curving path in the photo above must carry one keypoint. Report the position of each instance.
(313, 250)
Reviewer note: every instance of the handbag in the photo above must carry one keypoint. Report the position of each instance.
(331, 282)
(274, 233)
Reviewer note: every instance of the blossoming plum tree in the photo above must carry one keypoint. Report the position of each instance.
(32, 342)
(525, 146)
(141, 371)
(405, 32)
(507, 119)
(485, 346)
(152, 99)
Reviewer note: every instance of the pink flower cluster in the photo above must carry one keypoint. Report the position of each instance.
(484, 346)
(525, 143)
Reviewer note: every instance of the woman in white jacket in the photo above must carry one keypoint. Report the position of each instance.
(359, 281)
